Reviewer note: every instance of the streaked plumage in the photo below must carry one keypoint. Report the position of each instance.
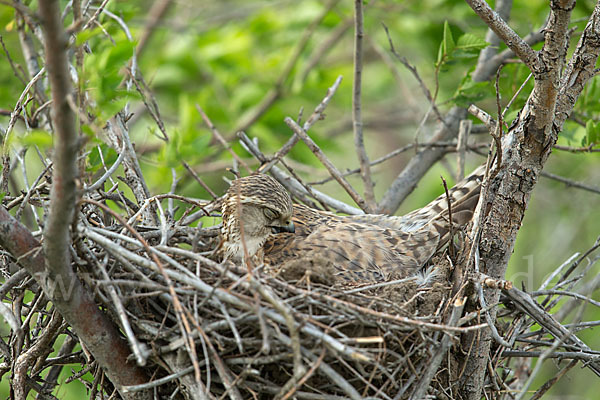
(254, 208)
(361, 248)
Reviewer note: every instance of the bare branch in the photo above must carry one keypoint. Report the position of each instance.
(328, 164)
(315, 116)
(77, 307)
(570, 182)
(220, 137)
(293, 185)
(359, 143)
(508, 36)
(157, 12)
(580, 68)
(278, 89)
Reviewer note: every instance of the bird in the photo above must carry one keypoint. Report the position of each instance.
(254, 207)
(360, 249)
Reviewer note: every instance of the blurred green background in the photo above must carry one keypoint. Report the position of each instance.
(227, 56)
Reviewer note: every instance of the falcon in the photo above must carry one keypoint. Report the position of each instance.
(254, 208)
(260, 222)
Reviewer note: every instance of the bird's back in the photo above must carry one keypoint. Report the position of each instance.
(375, 248)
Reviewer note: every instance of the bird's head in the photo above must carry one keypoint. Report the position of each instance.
(254, 207)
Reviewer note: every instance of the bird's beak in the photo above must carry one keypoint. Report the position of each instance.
(287, 227)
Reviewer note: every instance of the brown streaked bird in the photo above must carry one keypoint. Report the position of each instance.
(362, 249)
(254, 208)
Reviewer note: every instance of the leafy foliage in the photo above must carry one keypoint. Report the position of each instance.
(227, 56)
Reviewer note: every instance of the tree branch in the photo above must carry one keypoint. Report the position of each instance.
(357, 125)
(508, 36)
(447, 129)
(525, 149)
(328, 164)
(76, 305)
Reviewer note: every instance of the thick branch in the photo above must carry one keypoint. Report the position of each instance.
(525, 149)
(74, 301)
(62, 200)
(508, 36)
(75, 304)
(407, 180)
(580, 68)
(545, 91)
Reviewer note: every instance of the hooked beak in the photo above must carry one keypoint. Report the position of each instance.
(288, 227)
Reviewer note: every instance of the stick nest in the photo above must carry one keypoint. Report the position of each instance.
(242, 331)
(205, 329)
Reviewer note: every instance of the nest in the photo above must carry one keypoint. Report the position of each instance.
(205, 329)
(239, 328)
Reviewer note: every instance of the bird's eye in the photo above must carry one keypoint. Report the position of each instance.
(271, 214)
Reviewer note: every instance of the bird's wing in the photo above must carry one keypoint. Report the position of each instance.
(374, 248)
(360, 252)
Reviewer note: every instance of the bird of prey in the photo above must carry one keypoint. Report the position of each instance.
(254, 207)
(260, 221)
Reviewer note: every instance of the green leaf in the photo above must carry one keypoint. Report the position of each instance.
(592, 132)
(38, 138)
(469, 45)
(94, 162)
(86, 35)
(470, 92)
(447, 46)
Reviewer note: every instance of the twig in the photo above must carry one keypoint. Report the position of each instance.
(566, 293)
(464, 130)
(508, 36)
(96, 185)
(293, 185)
(299, 368)
(118, 134)
(158, 382)
(176, 303)
(574, 355)
(415, 73)
(328, 371)
(278, 89)
(220, 138)
(140, 350)
(357, 124)
(314, 117)
(497, 133)
(12, 64)
(451, 250)
(328, 164)
(199, 180)
(325, 46)
(95, 16)
(525, 303)
(34, 188)
(585, 149)
(545, 354)
(570, 182)
(438, 353)
(548, 384)
(151, 104)
(483, 116)
(155, 15)
(507, 107)
(18, 109)
(448, 146)
(315, 365)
